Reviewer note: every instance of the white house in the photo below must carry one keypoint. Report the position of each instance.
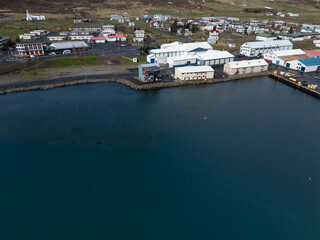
(243, 67)
(194, 73)
(177, 49)
(30, 17)
(253, 49)
(81, 37)
(140, 35)
(56, 38)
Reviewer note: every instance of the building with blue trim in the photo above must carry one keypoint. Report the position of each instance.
(306, 65)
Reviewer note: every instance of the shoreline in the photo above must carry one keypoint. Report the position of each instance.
(127, 83)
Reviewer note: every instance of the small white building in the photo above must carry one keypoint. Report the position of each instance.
(30, 17)
(265, 37)
(81, 37)
(244, 67)
(194, 73)
(253, 49)
(140, 35)
(56, 38)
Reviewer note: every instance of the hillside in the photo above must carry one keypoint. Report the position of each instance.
(309, 9)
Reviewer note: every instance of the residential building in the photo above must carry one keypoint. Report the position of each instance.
(81, 37)
(56, 38)
(245, 67)
(30, 48)
(98, 39)
(253, 49)
(89, 28)
(140, 35)
(265, 37)
(194, 73)
(30, 17)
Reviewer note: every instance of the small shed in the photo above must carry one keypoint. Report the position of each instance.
(149, 72)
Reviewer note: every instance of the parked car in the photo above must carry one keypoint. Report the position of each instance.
(66, 52)
(52, 53)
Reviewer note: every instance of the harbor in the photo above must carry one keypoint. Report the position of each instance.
(294, 82)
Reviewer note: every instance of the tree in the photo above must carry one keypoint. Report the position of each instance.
(291, 30)
(174, 26)
(194, 28)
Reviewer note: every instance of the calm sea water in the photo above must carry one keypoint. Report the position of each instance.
(103, 161)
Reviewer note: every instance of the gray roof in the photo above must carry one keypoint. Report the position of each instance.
(266, 44)
(69, 45)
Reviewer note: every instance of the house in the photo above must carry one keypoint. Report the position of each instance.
(176, 49)
(30, 48)
(89, 28)
(108, 26)
(115, 38)
(265, 37)
(98, 39)
(76, 46)
(30, 17)
(27, 36)
(81, 37)
(316, 42)
(244, 67)
(306, 30)
(115, 17)
(290, 14)
(56, 38)
(3, 40)
(305, 65)
(140, 35)
(282, 57)
(253, 49)
(194, 73)
(107, 32)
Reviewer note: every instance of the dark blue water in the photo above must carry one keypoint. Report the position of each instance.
(103, 161)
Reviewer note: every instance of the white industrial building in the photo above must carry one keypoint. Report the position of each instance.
(76, 46)
(194, 73)
(282, 57)
(243, 67)
(305, 65)
(253, 49)
(30, 17)
(176, 49)
(208, 58)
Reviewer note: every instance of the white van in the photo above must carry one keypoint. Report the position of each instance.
(66, 52)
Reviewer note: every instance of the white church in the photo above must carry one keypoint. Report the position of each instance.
(30, 17)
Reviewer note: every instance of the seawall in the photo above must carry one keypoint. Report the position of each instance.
(146, 86)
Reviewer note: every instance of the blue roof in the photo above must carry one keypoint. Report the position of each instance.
(310, 61)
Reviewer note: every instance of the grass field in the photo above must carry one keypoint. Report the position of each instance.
(13, 28)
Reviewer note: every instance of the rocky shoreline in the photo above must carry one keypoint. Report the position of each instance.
(128, 83)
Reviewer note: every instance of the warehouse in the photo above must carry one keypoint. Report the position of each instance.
(176, 49)
(265, 37)
(313, 53)
(89, 28)
(194, 73)
(254, 49)
(282, 57)
(208, 58)
(77, 46)
(305, 65)
(242, 67)
(81, 37)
